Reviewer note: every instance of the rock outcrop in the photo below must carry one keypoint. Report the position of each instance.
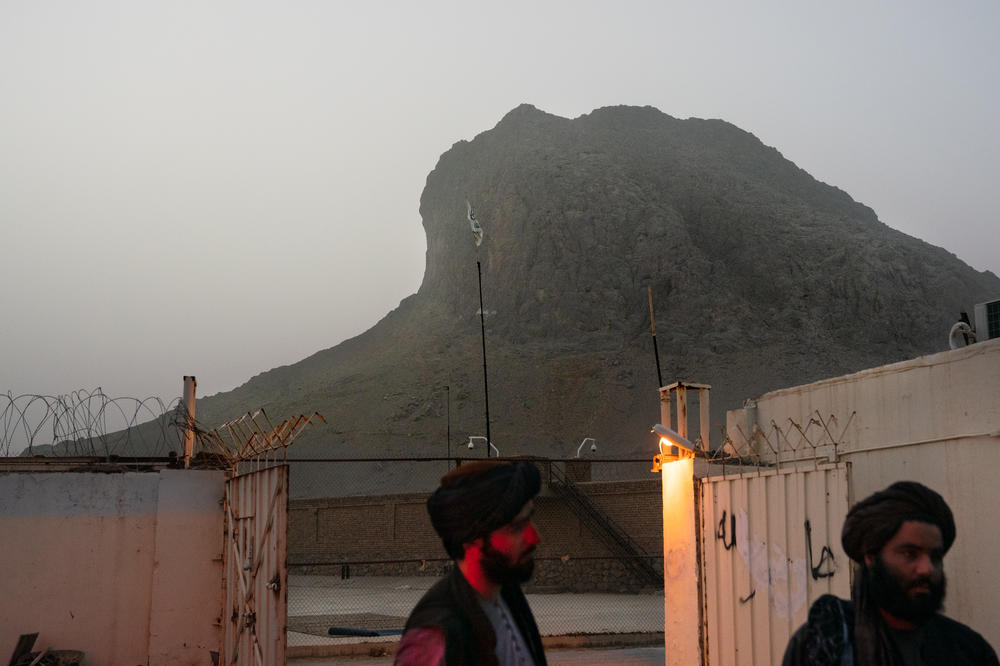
(762, 277)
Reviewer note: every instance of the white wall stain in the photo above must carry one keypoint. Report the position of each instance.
(770, 571)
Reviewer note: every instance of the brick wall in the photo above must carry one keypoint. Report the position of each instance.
(392, 535)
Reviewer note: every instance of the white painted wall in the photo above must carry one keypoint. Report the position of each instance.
(757, 568)
(933, 419)
(680, 564)
(124, 566)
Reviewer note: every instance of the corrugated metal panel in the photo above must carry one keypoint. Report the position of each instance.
(759, 579)
(256, 568)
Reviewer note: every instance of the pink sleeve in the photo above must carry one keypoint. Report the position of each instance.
(423, 646)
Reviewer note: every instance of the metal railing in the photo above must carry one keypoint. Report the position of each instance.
(630, 553)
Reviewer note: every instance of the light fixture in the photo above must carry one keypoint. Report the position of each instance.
(673, 446)
(472, 444)
(593, 445)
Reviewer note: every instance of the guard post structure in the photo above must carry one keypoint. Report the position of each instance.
(682, 624)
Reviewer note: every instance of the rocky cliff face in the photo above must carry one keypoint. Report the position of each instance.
(740, 246)
(762, 277)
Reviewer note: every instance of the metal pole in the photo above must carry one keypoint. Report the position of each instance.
(447, 393)
(486, 386)
(190, 384)
(652, 326)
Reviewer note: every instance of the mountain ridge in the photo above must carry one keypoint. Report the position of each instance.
(762, 277)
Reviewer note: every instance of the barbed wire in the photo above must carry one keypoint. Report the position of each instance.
(815, 439)
(86, 423)
(250, 437)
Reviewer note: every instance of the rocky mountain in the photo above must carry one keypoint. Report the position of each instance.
(762, 277)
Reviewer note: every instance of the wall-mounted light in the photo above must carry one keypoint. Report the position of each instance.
(672, 445)
(474, 438)
(593, 445)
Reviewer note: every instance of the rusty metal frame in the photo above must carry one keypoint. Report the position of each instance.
(256, 594)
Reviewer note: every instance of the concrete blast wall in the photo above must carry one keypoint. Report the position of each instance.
(933, 419)
(397, 528)
(126, 567)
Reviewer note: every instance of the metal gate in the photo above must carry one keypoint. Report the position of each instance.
(256, 573)
(770, 545)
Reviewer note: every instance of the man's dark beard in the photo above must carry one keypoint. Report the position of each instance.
(888, 594)
(498, 569)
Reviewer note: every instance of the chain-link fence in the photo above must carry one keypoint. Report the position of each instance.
(361, 549)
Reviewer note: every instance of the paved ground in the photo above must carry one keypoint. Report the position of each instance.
(646, 656)
(317, 602)
(346, 602)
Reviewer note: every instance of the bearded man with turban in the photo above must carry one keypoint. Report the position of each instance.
(898, 537)
(477, 614)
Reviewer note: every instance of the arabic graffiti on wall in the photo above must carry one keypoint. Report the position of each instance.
(771, 569)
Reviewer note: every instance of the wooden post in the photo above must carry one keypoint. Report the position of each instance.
(652, 328)
(704, 418)
(190, 384)
(665, 405)
(682, 410)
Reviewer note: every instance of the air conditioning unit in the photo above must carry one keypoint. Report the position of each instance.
(987, 320)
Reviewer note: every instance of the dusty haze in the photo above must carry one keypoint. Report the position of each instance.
(221, 188)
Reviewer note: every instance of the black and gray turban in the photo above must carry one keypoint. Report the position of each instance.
(477, 498)
(874, 520)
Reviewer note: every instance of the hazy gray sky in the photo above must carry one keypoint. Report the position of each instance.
(218, 188)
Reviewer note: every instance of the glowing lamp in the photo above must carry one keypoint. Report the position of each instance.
(672, 445)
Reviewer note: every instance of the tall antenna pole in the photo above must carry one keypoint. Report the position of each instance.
(486, 386)
(652, 326)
